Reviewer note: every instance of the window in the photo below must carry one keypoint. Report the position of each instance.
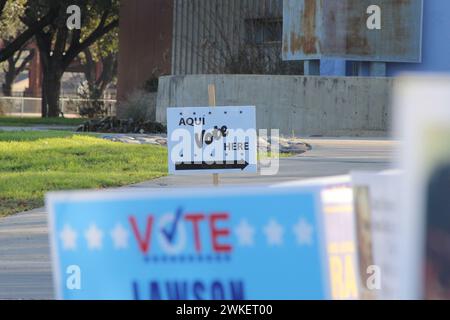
(264, 31)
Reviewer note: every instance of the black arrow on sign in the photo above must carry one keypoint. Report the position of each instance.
(211, 166)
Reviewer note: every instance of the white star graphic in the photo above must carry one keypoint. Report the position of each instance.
(120, 237)
(68, 237)
(274, 233)
(94, 237)
(245, 233)
(303, 231)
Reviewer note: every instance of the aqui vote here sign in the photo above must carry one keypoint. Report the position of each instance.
(212, 140)
(203, 244)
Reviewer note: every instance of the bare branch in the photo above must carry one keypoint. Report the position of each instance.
(21, 40)
(17, 56)
(99, 32)
(25, 62)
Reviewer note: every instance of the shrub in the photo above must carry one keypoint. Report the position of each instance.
(151, 85)
(91, 108)
(140, 106)
(5, 107)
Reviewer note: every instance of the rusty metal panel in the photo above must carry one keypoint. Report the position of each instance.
(352, 30)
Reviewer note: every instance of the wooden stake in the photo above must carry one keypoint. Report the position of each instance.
(212, 95)
(212, 103)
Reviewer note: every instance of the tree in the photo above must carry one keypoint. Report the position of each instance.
(59, 46)
(21, 39)
(10, 27)
(105, 51)
(14, 66)
(96, 84)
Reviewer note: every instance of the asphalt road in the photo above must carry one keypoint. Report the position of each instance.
(25, 271)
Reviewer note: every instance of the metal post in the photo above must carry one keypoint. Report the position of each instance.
(22, 105)
(62, 101)
(377, 69)
(312, 68)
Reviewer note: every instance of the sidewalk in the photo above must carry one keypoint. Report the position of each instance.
(38, 128)
(25, 271)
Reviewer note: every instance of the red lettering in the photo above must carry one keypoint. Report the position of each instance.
(216, 233)
(144, 244)
(195, 220)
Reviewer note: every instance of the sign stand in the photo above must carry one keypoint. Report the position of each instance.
(212, 103)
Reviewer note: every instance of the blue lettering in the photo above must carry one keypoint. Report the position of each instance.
(176, 290)
(217, 291)
(237, 290)
(199, 290)
(155, 294)
(135, 291)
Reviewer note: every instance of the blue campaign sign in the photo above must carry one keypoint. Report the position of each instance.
(200, 244)
(212, 140)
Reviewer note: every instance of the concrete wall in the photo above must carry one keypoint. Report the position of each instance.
(305, 106)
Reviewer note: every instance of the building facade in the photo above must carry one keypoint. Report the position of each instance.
(145, 40)
(212, 36)
(181, 37)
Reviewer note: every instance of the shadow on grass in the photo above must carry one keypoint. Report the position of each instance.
(37, 135)
(8, 121)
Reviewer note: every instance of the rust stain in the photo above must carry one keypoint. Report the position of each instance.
(344, 32)
(356, 42)
(309, 26)
(332, 21)
(360, 42)
(307, 42)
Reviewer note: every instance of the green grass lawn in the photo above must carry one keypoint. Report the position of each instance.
(33, 163)
(27, 122)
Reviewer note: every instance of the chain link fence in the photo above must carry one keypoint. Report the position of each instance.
(69, 106)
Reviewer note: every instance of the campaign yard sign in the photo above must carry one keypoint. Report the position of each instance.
(339, 226)
(212, 140)
(209, 244)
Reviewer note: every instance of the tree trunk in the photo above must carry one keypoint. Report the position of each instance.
(10, 75)
(7, 89)
(51, 90)
(13, 67)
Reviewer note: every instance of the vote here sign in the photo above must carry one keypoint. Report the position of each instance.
(212, 140)
(179, 244)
